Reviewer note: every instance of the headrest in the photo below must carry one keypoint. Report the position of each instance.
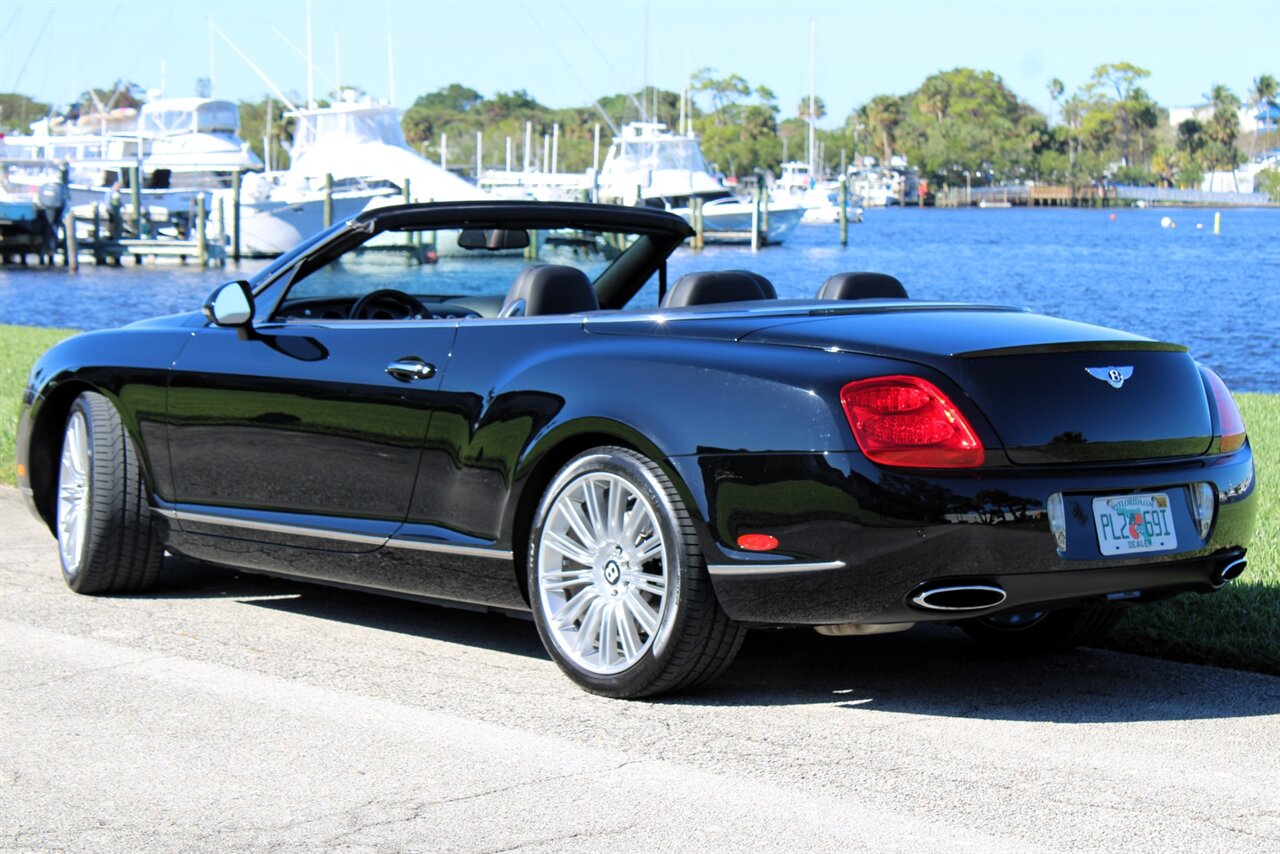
(862, 286)
(718, 286)
(549, 289)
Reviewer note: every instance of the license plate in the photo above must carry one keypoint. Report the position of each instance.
(1133, 524)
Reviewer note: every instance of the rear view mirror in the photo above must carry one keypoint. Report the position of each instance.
(493, 239)
(230, 305)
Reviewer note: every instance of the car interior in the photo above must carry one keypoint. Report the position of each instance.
(408, 274)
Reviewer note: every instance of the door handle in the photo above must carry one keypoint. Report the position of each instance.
(410, 369)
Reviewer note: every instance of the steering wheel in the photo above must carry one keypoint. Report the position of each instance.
(388, 304)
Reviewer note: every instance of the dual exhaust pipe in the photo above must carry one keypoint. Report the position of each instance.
(979, 597)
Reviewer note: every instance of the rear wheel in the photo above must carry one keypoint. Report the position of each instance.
(1044, 631)
(106, 538)
(620, 592)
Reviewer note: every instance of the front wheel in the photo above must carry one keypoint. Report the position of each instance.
(1044, 631)
(619, 589)
(106, 537)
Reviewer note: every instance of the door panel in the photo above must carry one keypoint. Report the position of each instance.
(306, 419)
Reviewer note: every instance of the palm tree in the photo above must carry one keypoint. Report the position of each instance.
(882, 115)
(1224, 127)
(1262, 97)
(1056, 89)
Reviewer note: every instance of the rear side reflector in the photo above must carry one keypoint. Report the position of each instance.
(757, 542)
(1230, 424)
(908, 421)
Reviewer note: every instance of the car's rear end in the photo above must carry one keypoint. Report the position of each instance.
(993, 464)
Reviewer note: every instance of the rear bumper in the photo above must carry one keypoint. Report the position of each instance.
(855, 542)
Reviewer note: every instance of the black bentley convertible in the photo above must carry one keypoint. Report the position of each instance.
(509, 405)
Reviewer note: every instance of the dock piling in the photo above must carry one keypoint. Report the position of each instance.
(235, 215)
(72, 256)
(844, 209)
(135, 198)
(202, 236)
(328, 200)
(755, 220)
(699, 237)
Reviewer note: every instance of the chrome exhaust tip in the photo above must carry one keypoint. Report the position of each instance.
(1228, 571)
(959, 597)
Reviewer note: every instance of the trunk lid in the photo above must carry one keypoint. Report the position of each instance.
(1044, 384)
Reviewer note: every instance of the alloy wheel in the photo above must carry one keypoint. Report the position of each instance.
(73, 493)
(603, 574)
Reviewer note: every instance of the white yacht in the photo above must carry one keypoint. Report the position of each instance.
(649, 165)
(360, 145)
(361, 140)
(186, 143)
(820, 199)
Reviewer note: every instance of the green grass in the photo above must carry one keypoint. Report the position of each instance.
(1239, 626)
(20, 346)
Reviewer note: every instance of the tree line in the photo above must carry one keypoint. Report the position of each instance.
(961, 125)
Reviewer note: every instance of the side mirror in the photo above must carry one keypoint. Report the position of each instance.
(230, 305)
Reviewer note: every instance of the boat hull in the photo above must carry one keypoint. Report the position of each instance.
(729, 220)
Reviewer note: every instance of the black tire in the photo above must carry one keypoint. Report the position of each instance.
(1052, 631)
(691, 641)
(118, 549)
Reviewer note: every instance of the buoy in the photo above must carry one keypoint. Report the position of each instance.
(1217, 223)
(1113, 217)
(1166, 222)
(1199, 225)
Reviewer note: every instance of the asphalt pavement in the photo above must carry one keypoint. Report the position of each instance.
(226, 711)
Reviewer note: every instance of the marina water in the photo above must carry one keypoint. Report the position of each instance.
(1217, 294)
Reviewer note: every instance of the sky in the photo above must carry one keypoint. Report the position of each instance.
(566, 52)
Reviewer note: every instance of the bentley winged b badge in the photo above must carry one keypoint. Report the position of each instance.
(1113, 375)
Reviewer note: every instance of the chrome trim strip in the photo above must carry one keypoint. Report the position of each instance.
(327, 534)
(274, 527)
(771, 568)
(449, 548)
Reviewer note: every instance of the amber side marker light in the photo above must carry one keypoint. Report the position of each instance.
(22, 470)
(1230, 424)
(908, 421)
(757, 542)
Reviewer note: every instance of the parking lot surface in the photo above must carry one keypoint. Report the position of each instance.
(226, 711)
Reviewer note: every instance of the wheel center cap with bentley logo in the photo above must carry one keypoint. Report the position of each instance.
(612, 572)
(1112, 375)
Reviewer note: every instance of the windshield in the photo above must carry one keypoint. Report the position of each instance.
(349, 127)
(656, 154)
(432, 265)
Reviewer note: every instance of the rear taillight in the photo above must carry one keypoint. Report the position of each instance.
(1230, 424)
(907, 421)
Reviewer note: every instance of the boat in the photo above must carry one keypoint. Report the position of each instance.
(175, 143)
(361, 140)
(278, 210)
(29, 219)
(820, 199)
(884, 186)
(649, 165)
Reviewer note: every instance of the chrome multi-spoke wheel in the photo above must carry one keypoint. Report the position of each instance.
(73, 493)
(603, 573)
(619, 590)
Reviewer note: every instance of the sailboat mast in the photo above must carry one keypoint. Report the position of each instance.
(813, 174)
(311, 87)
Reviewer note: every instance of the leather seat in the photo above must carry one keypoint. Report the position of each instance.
(718, 286)
(862, 286)
(549, 289)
